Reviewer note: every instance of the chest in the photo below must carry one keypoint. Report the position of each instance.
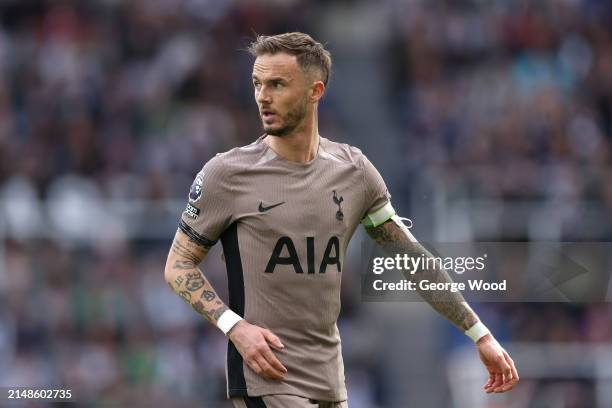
(320, 202)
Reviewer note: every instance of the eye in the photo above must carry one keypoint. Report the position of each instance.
(278, 85)
(256, 85)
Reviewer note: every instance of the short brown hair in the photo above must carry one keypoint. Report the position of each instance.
(309, 53)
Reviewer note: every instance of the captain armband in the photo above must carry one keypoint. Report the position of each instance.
(379, 216)
(384, 214)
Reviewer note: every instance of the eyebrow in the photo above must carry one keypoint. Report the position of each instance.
(273, 79)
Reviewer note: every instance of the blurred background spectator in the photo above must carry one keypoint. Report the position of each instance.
(489, 121)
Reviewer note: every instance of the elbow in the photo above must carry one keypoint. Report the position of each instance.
(168, 273)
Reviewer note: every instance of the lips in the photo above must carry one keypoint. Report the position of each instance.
(267, 114)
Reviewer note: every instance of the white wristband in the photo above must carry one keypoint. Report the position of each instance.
(477, 331)
(227, 320)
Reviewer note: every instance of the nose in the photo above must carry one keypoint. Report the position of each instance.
(262, 95)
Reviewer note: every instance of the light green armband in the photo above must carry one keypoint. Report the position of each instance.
(379, 216)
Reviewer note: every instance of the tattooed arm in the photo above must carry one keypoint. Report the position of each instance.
(395, 239)
(186, 280)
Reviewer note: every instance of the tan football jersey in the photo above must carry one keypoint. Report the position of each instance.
(285, 227)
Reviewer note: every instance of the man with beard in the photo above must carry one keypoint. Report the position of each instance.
(285, 208)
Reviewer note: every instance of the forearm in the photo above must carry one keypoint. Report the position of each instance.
(397, 240)
(451, 305)
(187, 280)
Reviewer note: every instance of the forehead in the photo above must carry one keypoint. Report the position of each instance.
(276, 65)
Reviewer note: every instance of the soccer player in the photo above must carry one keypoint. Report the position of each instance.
(285, 208)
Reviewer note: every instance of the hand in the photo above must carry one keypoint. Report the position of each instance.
(253, 343)
(502, 372)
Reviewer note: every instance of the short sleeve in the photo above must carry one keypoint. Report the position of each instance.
(378, 208)
(210, 204)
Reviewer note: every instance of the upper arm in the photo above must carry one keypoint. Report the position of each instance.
(210, 207)
(377, 199)
(209, 212)
(185, 251)
(392, 234)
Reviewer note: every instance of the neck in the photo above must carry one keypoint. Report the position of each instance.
(302, 144)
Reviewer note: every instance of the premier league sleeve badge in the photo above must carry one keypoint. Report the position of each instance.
(196, 188)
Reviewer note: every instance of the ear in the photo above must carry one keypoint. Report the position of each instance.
(317, 91)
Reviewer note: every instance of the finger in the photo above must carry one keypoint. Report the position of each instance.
(272, 339)
(492, 382)
(498, 365)
(273, 360)
(506, 387)
(489, 381)
(498, 382)
(269, 371)
(506, 372)
(254, 366)
(511, 382)
(510, 362)
(498, 388)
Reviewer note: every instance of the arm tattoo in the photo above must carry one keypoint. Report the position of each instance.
(195, 280)
(185, 295)
(199, 307)
(189, 252)
(212, 314)
(189, 282)
(219, 311)
(207, 304)
(208, 295)
(392, 238)
(183, 265)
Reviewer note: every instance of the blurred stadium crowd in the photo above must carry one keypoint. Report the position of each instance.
(500, 117)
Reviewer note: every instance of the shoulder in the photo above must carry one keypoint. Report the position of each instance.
(236, 159)
(343, 152)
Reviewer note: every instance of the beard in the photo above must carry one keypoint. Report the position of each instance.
(289, 122)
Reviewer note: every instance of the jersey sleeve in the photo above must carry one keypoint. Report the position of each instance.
(378, 208)
(210, 204)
